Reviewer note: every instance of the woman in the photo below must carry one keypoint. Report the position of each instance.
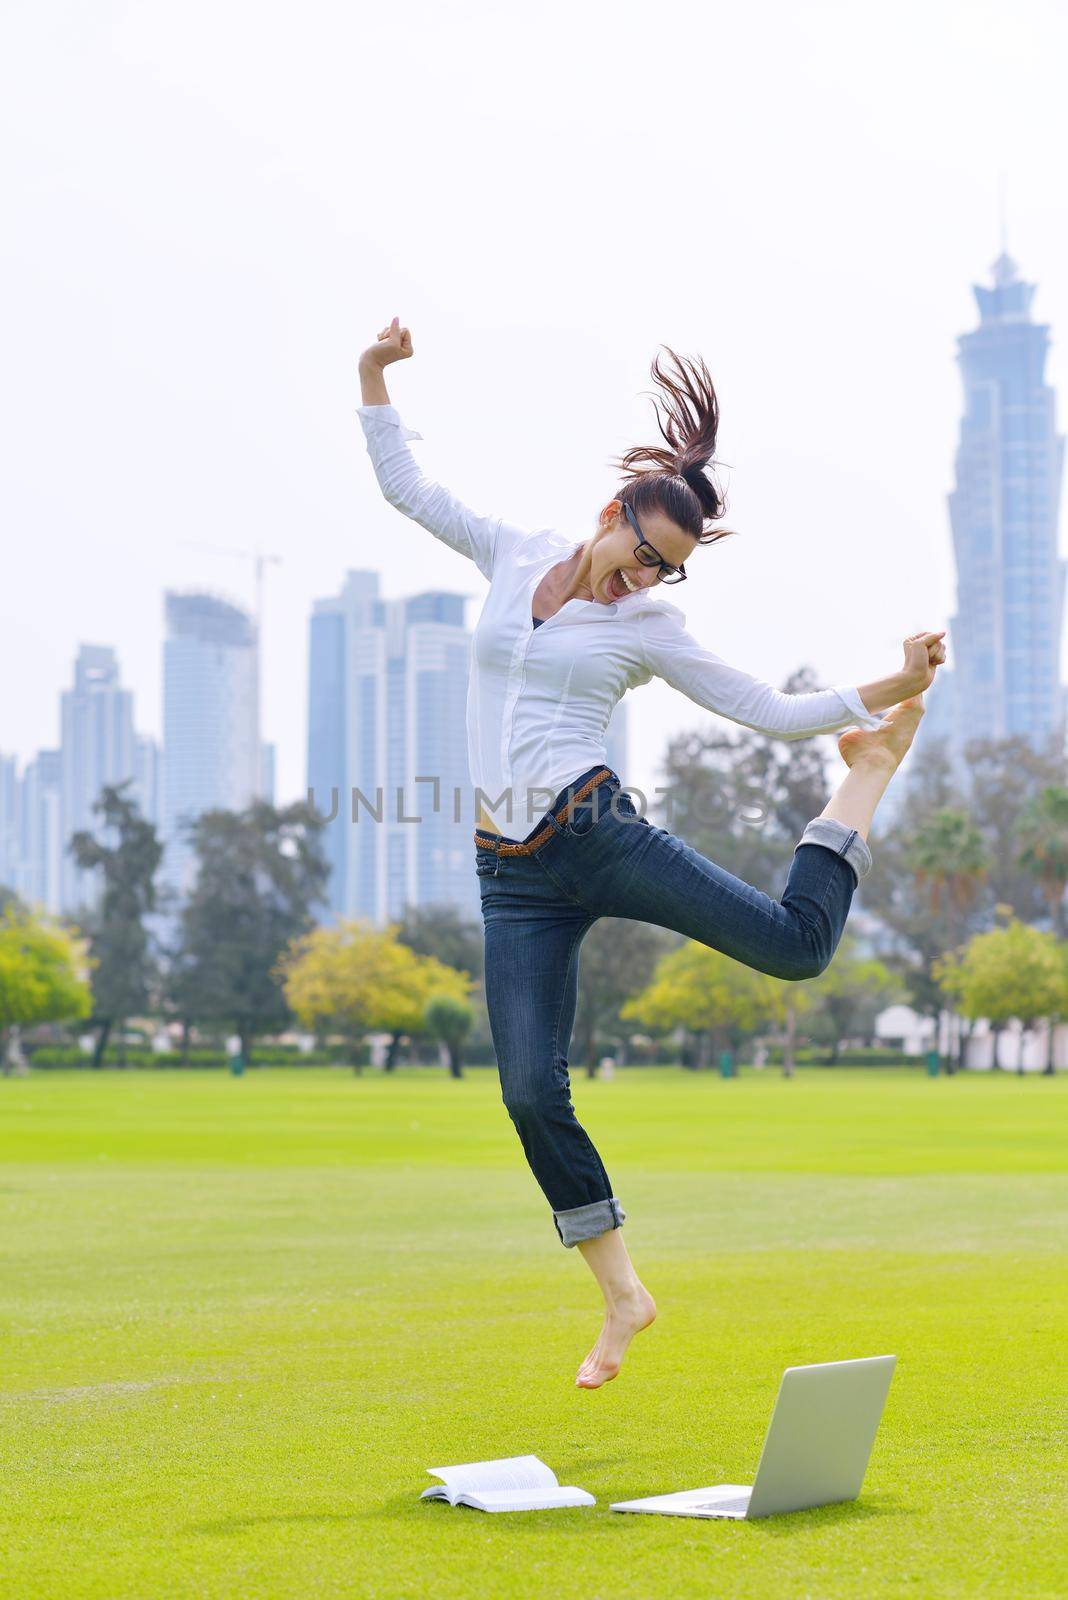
(566, 629)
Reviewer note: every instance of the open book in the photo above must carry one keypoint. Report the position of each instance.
(515, 1483)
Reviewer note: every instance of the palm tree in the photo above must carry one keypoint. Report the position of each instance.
(1043, 834)
(948, 854)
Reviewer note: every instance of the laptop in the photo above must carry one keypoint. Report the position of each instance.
(815, 1452)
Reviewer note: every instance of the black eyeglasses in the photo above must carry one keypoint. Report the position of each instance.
(649, 556)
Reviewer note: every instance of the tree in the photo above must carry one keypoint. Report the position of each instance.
(950, 860)
(618, 958)
(259, 873)
(1004, 776)
(926, 884)
(449, 1019)
(346, 979)
(799, 788)
(848, 995)
(1043, 837)
(43, 974)
(444, 932)
(125, 967)
(10, 900)
(1059, 1013)
(716, 998)
(429, 979)
(1011, 972)
(354, 979)
(716, 785)
(796, 1004)
(946, 972)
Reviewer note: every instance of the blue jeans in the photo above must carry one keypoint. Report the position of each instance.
(607, 861)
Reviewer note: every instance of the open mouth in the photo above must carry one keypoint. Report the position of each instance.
(619, 584)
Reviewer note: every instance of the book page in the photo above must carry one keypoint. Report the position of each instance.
(441, 1491)
(526, 1499)
(511, 1472)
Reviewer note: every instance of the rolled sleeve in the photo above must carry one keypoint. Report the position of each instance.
(857, 709)
(377, 416)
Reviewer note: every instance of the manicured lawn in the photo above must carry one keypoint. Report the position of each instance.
(242, 1316)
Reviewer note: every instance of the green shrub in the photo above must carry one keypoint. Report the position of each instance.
(816, 1056)
(266, 1055)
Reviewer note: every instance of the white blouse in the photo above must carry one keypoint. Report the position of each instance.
(539, 699)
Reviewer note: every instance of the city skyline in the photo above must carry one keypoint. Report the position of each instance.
(387, 735)
(641, 775)
(211, 717)
(387, 676)
(189, 373)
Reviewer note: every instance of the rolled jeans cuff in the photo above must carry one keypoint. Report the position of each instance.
(586, 1222)
(840, 838)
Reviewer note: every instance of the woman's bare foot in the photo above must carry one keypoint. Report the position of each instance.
(884, 746)
(627, 1315)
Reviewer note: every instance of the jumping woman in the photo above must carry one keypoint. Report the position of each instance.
(565, 631)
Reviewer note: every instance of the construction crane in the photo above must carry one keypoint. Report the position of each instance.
(257, 557)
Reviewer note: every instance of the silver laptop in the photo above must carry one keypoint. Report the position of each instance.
(816, 1450)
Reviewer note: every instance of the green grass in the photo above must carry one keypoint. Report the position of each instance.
(242, 1316)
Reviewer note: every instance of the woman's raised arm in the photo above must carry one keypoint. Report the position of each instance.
(672, 653)
(393, 344)
(483, 539)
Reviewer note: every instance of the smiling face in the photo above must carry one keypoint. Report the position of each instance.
(615, 570)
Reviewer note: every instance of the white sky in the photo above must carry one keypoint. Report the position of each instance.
(210, 209)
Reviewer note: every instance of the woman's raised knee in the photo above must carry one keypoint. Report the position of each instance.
(810, 954)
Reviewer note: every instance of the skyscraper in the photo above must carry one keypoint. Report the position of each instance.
(96, 748)
(211, 737)
(387, 719)
(10, 796)
(55, 796)
(145, 790)
(40, 836)
(342, 733)
(268, 762)
(1005, 639)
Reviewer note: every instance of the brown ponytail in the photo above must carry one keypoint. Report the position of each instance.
(673, 479)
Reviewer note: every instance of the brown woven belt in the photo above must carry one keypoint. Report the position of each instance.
(530, 845)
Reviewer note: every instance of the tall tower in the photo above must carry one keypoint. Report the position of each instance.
(344, 730)
(40, 832)
(387, 718)
(145, 790)
(97, 747)
(211, 735)
(428, 652)
(1006, 634)
(10, 795)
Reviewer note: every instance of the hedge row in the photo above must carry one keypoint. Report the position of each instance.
(267, 1055)
(816, 1056)
(477, 1054)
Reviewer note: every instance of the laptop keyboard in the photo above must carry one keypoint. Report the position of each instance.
(737, 1503)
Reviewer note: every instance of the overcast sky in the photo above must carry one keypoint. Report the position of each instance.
(210, 209)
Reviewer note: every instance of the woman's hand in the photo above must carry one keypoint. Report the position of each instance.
(394, 344)
(924, 654)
